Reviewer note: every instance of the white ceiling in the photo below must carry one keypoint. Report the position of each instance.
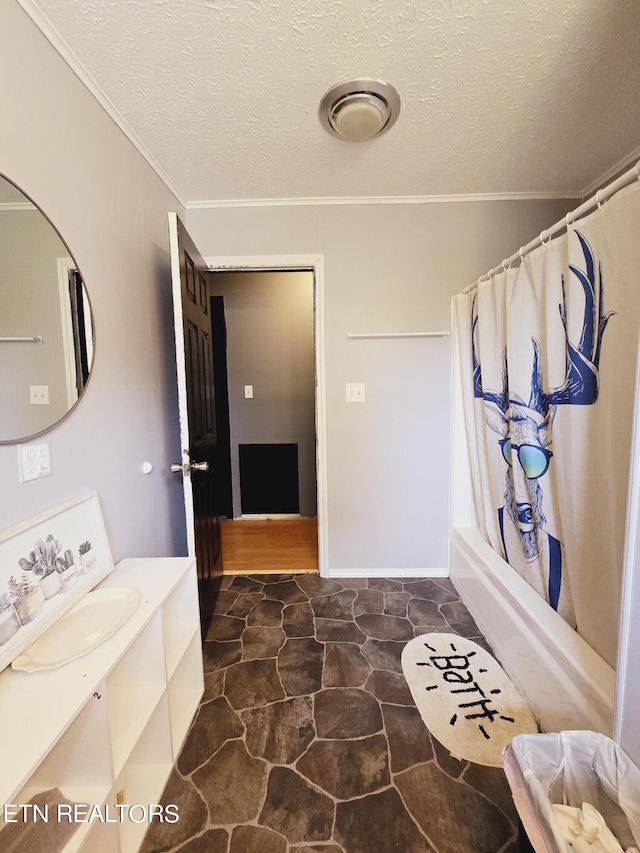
(498, 96)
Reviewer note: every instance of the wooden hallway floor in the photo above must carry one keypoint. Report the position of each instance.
(269, 545)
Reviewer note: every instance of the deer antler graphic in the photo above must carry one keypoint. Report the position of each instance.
(580, 386)
(499, 398)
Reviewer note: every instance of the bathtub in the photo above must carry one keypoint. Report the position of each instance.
(566, 683)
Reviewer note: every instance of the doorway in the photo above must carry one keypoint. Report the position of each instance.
(272, 323)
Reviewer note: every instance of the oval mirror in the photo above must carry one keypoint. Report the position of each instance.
(46, 325)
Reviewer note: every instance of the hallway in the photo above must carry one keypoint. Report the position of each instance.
(267, 545)
(307, 739)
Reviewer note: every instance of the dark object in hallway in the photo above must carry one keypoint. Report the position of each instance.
(307, 739)
(269, 478)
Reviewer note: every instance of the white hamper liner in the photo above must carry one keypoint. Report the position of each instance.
(572, 768)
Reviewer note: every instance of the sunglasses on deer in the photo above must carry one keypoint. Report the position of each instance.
(533, 458)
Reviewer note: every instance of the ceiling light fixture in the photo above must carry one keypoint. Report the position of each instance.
(360, 109)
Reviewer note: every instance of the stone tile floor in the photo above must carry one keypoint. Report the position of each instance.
(307, 739)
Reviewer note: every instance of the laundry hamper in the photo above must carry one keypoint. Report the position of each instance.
(571, 768)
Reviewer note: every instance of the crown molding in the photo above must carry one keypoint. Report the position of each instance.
(66, 53)
(363, 200)
(624, 164)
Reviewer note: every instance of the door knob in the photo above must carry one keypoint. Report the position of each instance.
(187, 467)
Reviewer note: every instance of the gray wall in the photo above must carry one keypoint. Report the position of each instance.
(387, 268)
(63, 150)
(269, 320)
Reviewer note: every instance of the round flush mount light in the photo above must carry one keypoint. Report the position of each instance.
(360, 109)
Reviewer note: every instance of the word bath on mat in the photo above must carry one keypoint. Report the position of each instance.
(465, 698)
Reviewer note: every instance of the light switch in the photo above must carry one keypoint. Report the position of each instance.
(355, 392)
(248, 392)
(39, 395)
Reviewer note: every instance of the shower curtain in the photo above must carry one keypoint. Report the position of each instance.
(548, 355)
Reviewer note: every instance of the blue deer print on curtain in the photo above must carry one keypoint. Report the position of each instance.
(525, 428)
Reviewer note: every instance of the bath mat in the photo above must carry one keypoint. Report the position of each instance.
(465, 698)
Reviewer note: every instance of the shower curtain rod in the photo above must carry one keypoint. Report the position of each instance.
(601, 196)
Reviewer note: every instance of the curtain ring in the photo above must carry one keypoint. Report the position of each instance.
(638, 170)
(598, 202)
(522, 254)
(568, 219)
(541, 238)
(505, 268)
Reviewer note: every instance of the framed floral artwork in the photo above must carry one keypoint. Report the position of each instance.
(47, 564)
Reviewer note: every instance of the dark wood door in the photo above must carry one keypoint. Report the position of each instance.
(223, 487)
(196, 402)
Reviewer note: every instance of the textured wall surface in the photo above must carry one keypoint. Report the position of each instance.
(497, 95)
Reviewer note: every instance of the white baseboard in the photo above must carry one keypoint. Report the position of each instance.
(387, 573)
(267, 516)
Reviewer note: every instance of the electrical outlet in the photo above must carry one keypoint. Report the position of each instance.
(39, 395)
(355, 392)
(34, 461)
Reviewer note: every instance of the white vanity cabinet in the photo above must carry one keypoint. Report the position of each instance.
(108, 726)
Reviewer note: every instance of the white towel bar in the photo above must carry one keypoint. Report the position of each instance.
(354, 337)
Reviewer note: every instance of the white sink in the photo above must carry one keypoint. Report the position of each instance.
(90, 622)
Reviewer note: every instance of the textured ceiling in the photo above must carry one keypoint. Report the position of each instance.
(498, 96)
